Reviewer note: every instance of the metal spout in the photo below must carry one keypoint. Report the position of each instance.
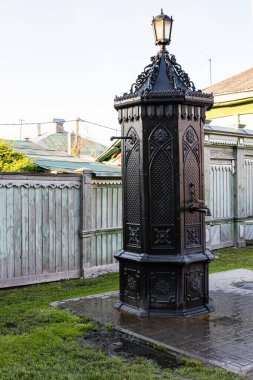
(121, 138)
(202, 209)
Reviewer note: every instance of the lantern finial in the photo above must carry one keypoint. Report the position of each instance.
(162, 26)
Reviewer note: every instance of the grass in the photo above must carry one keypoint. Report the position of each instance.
(232, 258)
(40, 342)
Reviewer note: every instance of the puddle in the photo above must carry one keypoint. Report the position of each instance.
(244, 285)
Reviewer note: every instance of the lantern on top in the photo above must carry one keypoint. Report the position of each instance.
(162, 27)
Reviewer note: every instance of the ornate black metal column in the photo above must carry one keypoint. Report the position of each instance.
(163, 263)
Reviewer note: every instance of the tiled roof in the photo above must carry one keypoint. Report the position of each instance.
(237, 83)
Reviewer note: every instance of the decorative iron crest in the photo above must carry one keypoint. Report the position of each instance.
(182, 75)
(179, 81)
(149, 74)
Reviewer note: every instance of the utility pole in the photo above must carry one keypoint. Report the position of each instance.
(77, 138)
(210, 66)
(20, 129)
(38, 129)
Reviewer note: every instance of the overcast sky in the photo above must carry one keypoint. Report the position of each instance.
(69, 58)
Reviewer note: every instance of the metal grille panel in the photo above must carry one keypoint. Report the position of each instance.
(133, 187)
(162, 189)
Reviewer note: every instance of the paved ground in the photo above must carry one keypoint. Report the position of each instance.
(223, 338)
(98, 270)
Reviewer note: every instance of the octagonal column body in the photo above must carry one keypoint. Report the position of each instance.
(164, 263)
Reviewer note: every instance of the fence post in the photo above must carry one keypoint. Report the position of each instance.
(239, 198)
(207, 188)
(85, 222)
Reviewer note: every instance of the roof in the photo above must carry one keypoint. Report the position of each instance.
(52, 160)
(227, 130)
(113, 154)
(59, 141)
(238, 83)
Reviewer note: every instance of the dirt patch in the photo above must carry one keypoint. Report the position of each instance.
(114, 343)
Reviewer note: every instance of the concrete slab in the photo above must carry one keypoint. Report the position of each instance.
(223, 338)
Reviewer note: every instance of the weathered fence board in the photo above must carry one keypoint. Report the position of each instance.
(55, 227)
(40, 220)
(229, 186)
(249, 186)
(103, 199)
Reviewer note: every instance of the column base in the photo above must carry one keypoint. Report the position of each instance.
(165, 313)
(164, 286)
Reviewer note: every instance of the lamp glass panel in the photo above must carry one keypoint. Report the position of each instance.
(159, 29)
(167, 28)
(154, 31)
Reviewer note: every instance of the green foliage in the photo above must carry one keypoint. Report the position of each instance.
(41, 342)
(232, 258)
(13, 161)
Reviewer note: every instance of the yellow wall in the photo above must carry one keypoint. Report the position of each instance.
(236, 107)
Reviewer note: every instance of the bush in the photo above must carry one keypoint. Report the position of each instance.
(13, 161)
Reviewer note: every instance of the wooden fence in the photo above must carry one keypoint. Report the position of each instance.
(101, 234)
(56, 226)
(229, 187)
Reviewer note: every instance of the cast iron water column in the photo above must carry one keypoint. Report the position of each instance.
(164, 261)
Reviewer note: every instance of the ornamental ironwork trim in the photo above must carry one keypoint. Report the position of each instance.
(39, 185)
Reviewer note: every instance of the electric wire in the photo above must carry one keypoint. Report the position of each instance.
(53, 122)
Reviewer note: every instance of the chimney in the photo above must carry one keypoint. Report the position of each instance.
(59, 125)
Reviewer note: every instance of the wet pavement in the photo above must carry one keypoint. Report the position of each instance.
(223, 338)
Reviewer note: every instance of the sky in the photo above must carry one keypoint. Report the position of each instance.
(69, 58)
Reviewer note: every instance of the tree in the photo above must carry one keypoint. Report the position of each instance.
(13, 161)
